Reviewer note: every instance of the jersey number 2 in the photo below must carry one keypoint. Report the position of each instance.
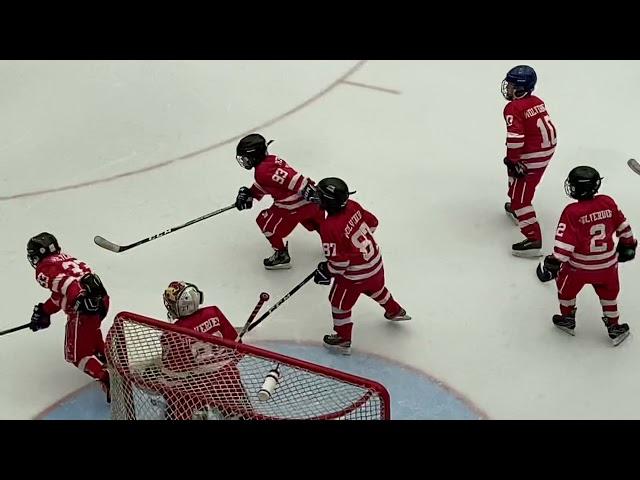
(598, 232)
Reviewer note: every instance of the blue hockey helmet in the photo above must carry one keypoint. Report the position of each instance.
(519, 82)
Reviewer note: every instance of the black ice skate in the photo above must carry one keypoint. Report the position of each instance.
(527, 249)
(510, 213)
(617, 333)
(279, 260)
(398, 317)
(337, 344)
(566, 324)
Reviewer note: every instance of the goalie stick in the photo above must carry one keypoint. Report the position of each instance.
(634, 165)
(113, 247)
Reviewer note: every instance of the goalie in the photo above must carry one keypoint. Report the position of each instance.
(200, 378)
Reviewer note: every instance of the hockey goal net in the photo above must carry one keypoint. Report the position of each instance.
(162, 371)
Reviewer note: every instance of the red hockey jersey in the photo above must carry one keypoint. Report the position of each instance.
(61, 273)
(275, 177)
(348, 243)
(183, 356)
(585, 234)
(531, 137)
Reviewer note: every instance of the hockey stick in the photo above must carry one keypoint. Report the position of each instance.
(281, 301)
(106, 244)
(264, 296)
(15, 329)
(634, 165)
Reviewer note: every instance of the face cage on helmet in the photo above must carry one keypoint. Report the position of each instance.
(244, 161)
(517, 93)
(33, 259)
(570, 191)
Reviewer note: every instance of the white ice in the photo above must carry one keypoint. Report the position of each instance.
(427, 162)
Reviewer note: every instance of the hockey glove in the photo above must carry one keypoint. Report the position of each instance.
(39, 319)
(87, 304)
(548, 269)
(244, 200)
(322, 275)
(626, 252)
(309, 193)
(515, 169)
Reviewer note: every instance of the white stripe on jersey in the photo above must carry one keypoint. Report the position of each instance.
(565, 246)
(601, 256)
(540, 154)
(364, 275)
(597, 266)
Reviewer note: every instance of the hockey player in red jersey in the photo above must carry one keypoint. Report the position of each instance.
(585, 252)
(353, 261)
(290, 191)
(531, 142)
(79, 293)
(210, 372)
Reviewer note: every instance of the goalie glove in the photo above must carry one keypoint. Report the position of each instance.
(39, 319)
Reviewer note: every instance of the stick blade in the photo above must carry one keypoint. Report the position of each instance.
(106, 244)
(634, 165)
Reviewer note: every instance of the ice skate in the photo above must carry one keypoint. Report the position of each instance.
(617, 332)
(566, 324)
(527, 249)
(280, 260)
(398, 317)
(335, 343)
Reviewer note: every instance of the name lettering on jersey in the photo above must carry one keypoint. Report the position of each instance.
(353, 221)
(530, 112)
(592, 217)
(207, 325)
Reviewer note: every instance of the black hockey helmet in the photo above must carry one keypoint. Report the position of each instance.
(251, 150)
(333, 194)
(40, 246)
(582, 183)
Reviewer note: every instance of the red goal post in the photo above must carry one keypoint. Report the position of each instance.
(161, 371)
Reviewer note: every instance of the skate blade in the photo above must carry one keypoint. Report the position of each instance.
(282, 266)
(619, 339)
(569, 331)
(403, 318)
(338, 349)
(534, 253)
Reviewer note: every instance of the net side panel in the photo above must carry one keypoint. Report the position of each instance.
(162, 371)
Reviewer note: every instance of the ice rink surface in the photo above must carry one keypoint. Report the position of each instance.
(126, 149)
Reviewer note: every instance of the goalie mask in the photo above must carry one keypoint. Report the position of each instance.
(182, 299)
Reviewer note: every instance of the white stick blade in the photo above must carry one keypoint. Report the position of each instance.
(106, 244)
